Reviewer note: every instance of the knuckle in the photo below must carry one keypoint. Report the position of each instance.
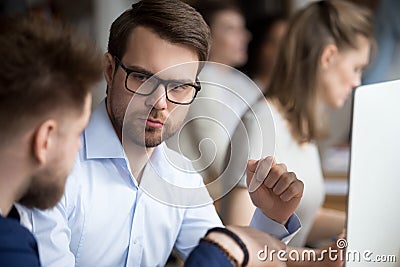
(300, 184)
(275, 172)
(293, 175)
(286, 178)
(282, 166)
(292, 190)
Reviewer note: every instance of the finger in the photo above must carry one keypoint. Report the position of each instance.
(284, 181)
(261, 170)
(295, 190)
(252, 165)
(252, 184)
(275, 173)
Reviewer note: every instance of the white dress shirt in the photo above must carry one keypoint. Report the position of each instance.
(106, 219)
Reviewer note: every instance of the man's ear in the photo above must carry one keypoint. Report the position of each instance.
(108, 68)
(328, 55)
(44, 139)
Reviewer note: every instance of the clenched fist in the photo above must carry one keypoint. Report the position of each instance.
(274, 190)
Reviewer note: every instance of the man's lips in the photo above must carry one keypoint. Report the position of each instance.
(154, 123)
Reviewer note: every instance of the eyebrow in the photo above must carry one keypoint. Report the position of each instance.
(139, 69)
(146, 72)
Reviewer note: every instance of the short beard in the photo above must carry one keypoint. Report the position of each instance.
(153, 142)
(42, 195)
(149, 137)
(142, 135)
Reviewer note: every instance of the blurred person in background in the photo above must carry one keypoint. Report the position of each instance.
(321, 60)
(44, 9)
(267, 33)
(384, 66)
(229, 34)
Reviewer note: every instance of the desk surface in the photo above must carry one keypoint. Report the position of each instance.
(336, 189)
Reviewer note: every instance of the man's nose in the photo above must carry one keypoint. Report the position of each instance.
(158, 99)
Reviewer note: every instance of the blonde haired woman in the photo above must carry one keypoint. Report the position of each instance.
(321, 60)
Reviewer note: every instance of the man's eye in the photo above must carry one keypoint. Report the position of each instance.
(139, 77)
(178, 87)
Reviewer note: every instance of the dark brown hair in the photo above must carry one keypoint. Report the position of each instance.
(294, 79)
(172, 20)
(44, 67)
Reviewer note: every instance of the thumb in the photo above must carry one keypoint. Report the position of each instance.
(252, 165)
(257, 171)
(250, 170)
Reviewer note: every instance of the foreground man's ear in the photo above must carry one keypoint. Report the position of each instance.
(108, 68)
(44, 139)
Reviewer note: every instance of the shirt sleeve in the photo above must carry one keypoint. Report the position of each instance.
(194, 226)
(267, 225)
(53, 234)
(206, 254)
(17, 245)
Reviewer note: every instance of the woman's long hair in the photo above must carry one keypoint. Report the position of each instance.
(294, 80)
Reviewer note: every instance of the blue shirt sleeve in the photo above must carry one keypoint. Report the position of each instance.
(206, 254)
(277, 230)
(18, 247)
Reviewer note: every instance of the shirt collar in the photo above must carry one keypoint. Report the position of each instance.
(101, 140)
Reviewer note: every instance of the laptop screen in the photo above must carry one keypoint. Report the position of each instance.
(373, 215)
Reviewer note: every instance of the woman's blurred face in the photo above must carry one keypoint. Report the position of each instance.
(344, 73)
(229, 38)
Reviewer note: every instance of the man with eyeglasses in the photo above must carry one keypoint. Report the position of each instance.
(130, 200)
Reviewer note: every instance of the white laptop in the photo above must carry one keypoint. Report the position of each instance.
(373, 221)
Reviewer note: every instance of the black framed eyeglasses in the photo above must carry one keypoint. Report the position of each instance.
(145, 84)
